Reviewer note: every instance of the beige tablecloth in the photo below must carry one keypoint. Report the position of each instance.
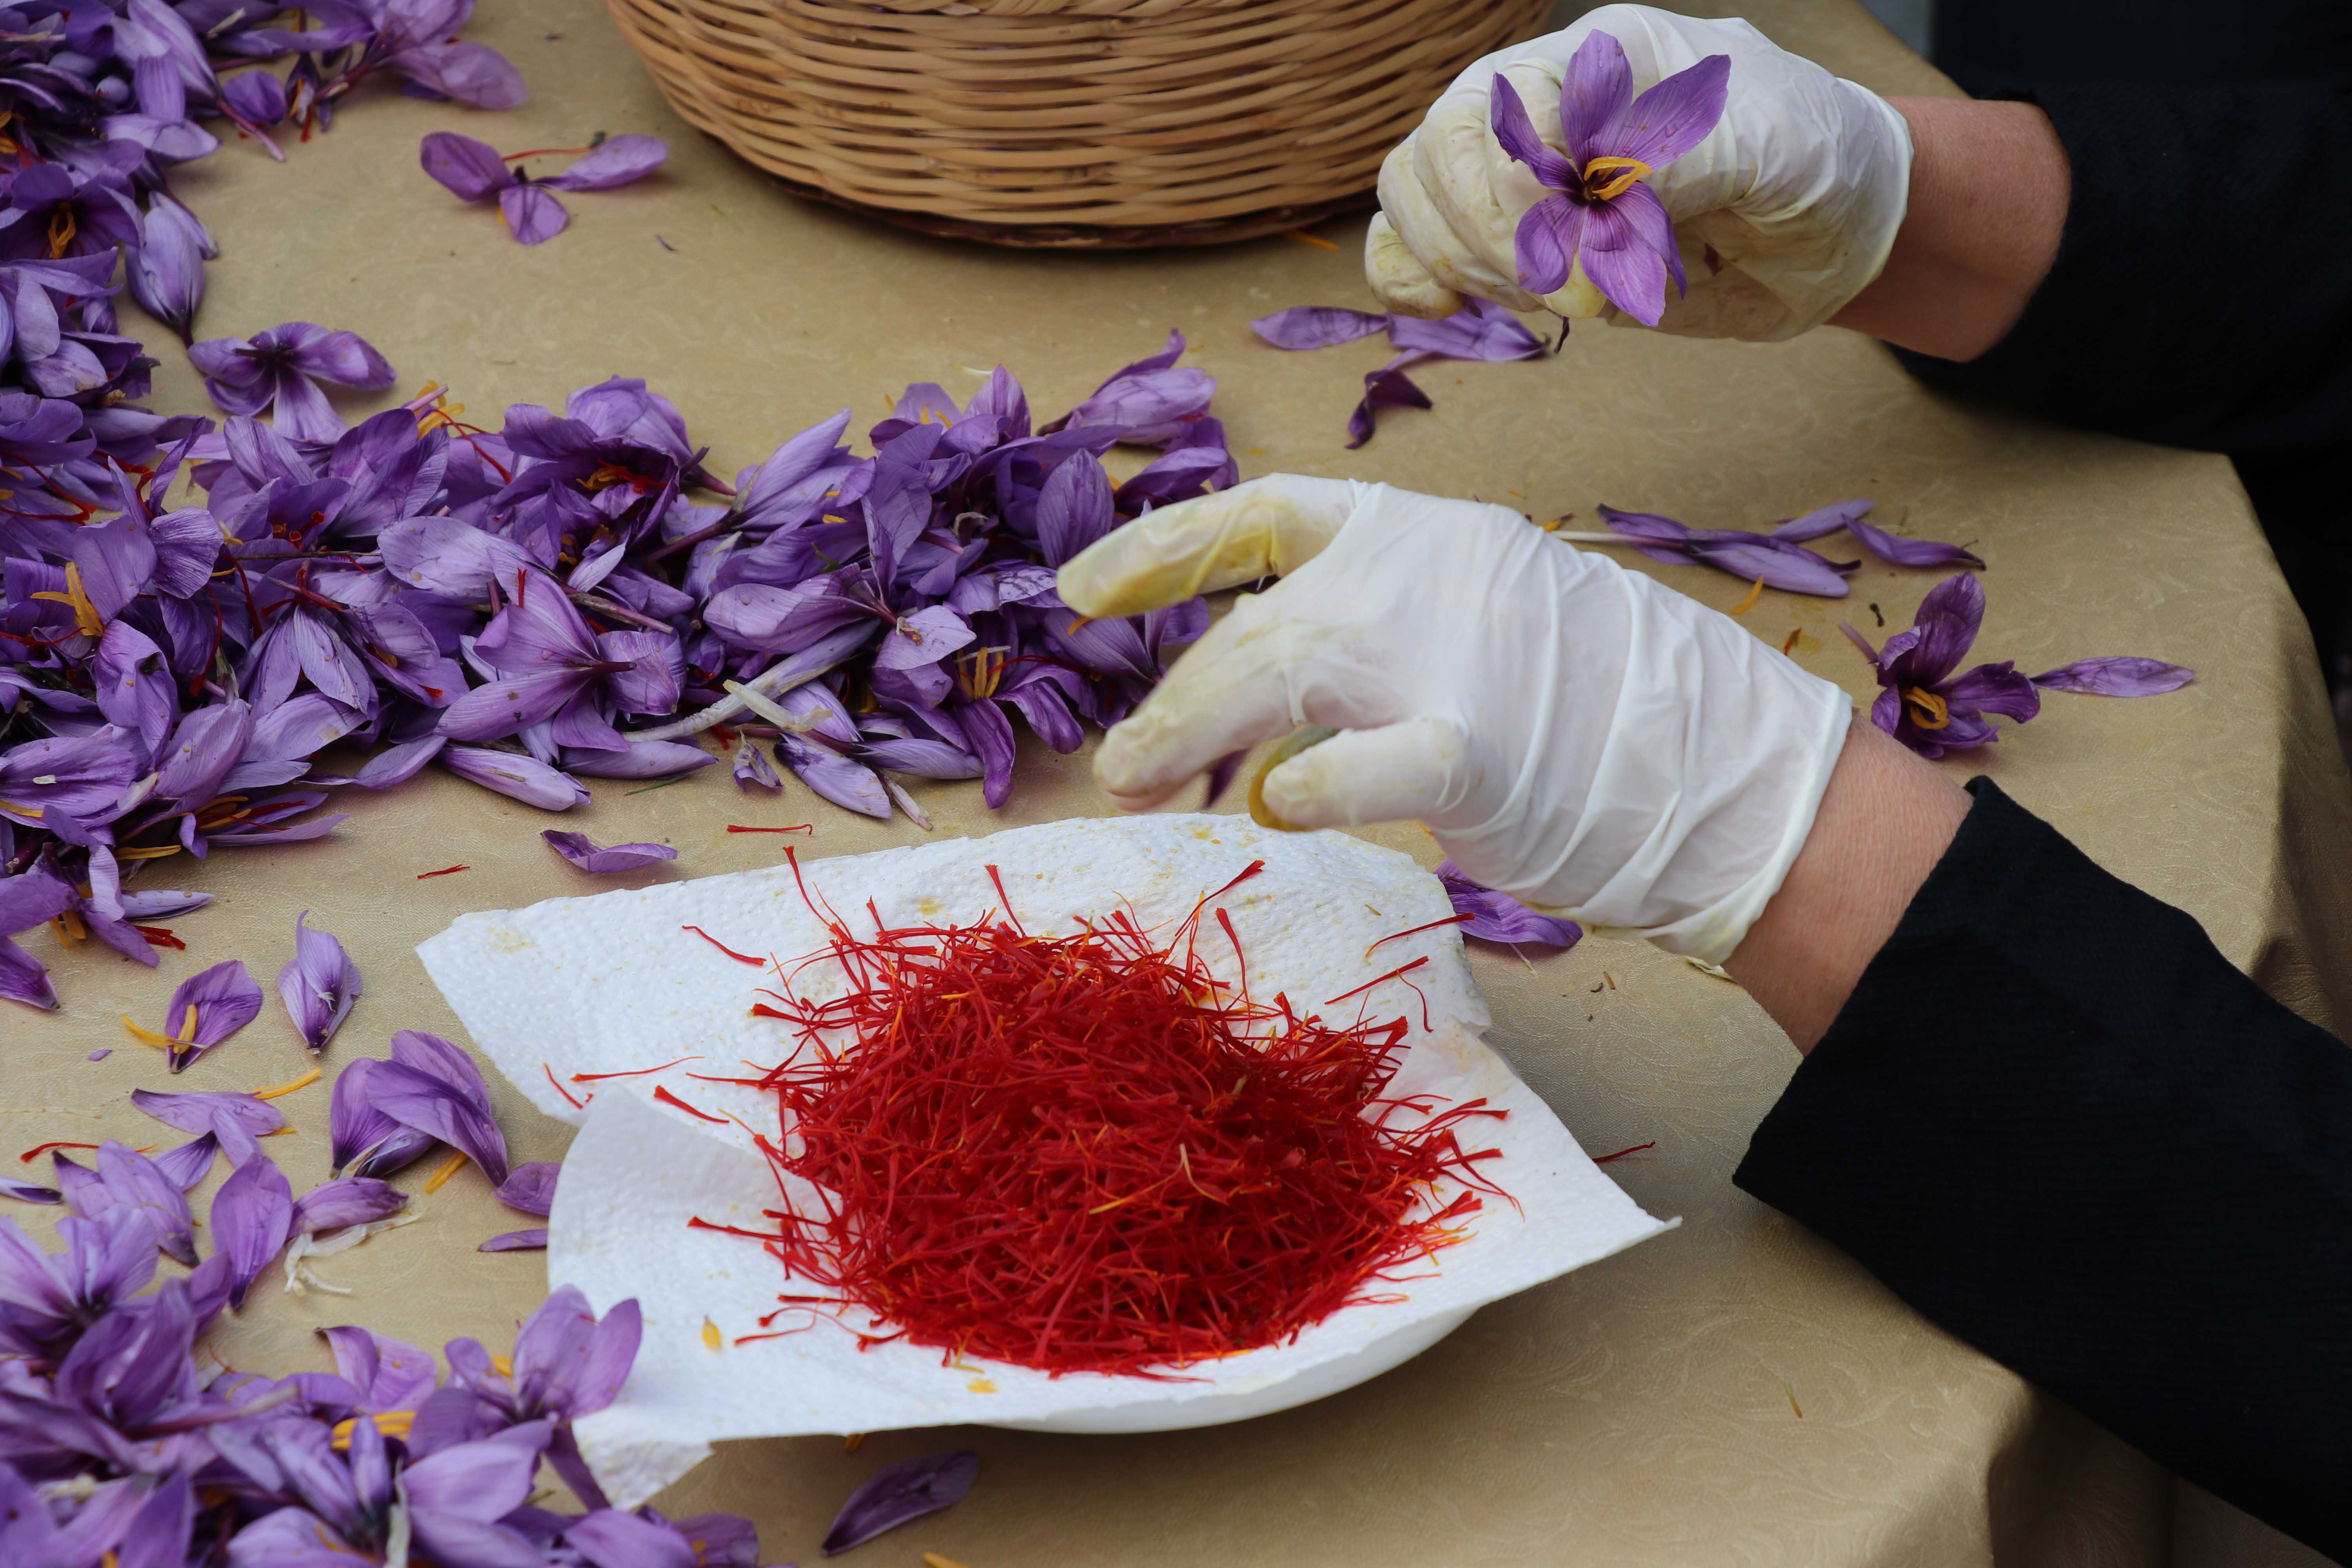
(1733, 1393)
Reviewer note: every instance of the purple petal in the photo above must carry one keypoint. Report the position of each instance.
(1946, 626)
(390, 1374)
(1316, 326)
(1791, 568)
(532, 213)
(435, 1087)
(1992, 688)
(251, 1216)
(132, 1181)
(2116, 675)
(474, 74)
(1502, 917)
(533, 1240)
(31, 897)
(641, 760)
(582, 852)
(1672, 118)
(348, 1200)
(1479, 331)
(319, 987)
(611, 1538)
(1593, 91)
(618, 161)
(924, 759)
(848, 785)
(398, 764)
(530, 1187)
(1221, 774)
(1387, 387)
(1646, 216)
(1825, 520)
(1647, 525)
(26, 1193)
(1074, 509)
(1629, 273)
(479, 1481)
(1545, 243)
(924, 637)
(203, 1111)
(1507, 114)
(23, 978)
(510, 774)
(256, 97)
(191, 1163)
(897, 1493)
(445, 556)
(1909, 551)
(472, 168)
(752, 769)
(220, 1001)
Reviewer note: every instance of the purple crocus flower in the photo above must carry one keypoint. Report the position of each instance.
(126, 1179)
(204, 1010)
(1601, 221)
(435, 1087)
(319, 987)
(166, 268)
(557, 672)
(1498, 917)
(903, 1491)
(475, 171)
(417, 39)
(582, 852)
(48, 1301)
(1923, 703)
(361, 1137)
(278, 371)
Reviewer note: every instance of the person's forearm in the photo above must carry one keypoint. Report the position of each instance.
(1990, 186)
(1885, 821)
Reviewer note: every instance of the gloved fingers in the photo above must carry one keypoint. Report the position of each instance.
(1409, 769)
(1477, 189)
(1225, 694)
(1267, 527)
(1399, 280)
(1422, 225)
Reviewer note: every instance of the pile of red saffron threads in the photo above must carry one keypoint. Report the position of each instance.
(1085, 1153)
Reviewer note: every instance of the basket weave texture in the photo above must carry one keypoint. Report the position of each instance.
(1101, 122)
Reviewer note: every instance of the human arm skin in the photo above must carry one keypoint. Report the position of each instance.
(1990, 185)
(1883, 822)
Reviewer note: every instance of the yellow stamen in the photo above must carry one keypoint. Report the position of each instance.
(504, 1367)
(277, 1090)
(62, 229)
(188, 1026)
(854, 1441)
(155, 852)
(933, 1560)
(449, 1168)
(86, 616)
(1629, 170)
(391, 1422)
(149, 1037)
(711, 1339)
(69, 927)
(1078, 621)
(1316, 240)
(32, 811)
(1929, 710)
(1754, 592)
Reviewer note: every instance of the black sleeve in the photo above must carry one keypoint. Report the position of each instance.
(2056, 1122)
(2202, 292)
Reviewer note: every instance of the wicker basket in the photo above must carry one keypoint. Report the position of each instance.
(1069, 122)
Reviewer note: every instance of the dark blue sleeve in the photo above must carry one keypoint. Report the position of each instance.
(2056, 1122)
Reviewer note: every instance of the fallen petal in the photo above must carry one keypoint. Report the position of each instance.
(2116, 675)
(902, 1492)
(582, 852)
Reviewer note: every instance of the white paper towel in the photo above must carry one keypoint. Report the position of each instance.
(612, 983)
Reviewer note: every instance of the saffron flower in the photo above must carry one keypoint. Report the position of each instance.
(319, 987)
(475, 171)
(1600, 223)
(204, 1010)
(278, 371)
(1933, 711)
(434, 1088)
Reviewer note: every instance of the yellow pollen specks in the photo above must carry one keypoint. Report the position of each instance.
(391, 1422)
(1755, 593)
(711, 1338)
(1628, 171)
(276, 1090)
(1928, 712)
(449, 1168)
(86, 616)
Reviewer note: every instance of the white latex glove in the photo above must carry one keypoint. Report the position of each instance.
(1573, 733)
(1799, 189)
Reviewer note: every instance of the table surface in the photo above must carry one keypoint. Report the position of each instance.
(1735, 1392)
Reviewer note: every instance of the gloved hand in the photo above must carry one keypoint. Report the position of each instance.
(1573, 733)
(1799, 189)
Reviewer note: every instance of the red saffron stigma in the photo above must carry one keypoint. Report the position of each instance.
(1621, 1154)
(558, 1088)
(807, 827)
(738, 957)
(662, 1093)
(445, 871)
(634, 1072)
(1368, 984)
(1416, 930)
(1084, 1153)
(160, 936)
(37, 1149)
